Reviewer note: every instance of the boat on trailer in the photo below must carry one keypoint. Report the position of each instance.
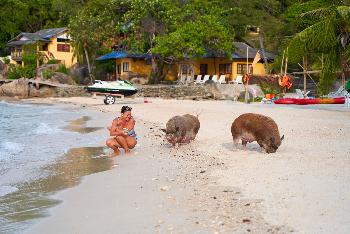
(112, 89)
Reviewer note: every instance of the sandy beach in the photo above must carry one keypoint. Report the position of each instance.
(208, 186)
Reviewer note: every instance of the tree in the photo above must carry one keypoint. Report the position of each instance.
(329, 35)
(94, 27)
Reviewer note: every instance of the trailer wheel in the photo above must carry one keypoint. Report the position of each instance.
(109, 100)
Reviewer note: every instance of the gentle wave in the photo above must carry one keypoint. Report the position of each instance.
(9, 147)
(44, 128)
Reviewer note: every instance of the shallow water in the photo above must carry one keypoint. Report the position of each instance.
(43, 149)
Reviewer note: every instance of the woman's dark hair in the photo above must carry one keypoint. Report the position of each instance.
(125, 109)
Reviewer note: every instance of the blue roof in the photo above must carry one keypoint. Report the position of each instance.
(121, 54)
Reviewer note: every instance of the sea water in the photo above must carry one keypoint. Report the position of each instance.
(41, 154)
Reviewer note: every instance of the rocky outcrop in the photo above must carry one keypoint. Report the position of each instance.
(61, 78)
(22, 88)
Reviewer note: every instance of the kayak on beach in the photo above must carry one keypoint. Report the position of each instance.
(310, 101)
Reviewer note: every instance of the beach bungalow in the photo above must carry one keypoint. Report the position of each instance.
(214, 64)
(133, 65)
(51, 44)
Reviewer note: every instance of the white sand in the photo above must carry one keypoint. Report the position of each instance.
(303, 187)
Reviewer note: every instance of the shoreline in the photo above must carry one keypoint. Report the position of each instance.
(222, 192)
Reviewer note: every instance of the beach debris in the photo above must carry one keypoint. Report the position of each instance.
(251, 127)
(246, 221)
(182, 129)
(164, 188)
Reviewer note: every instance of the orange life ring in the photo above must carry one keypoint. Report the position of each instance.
(246, 78)
(285, 82)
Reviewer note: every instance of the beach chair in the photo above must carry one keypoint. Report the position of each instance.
(206, 77)
(301, 93)
(182, 80)
(214, 78)
(198, 79)
(239, 79)
(341, 92)
(222, 79)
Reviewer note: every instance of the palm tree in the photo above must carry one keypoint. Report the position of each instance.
(329, 36)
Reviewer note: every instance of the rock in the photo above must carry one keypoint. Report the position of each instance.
(139, 80)
(18, 88)
(80, 74)
(62, 78)
(46, 67)
(164, 188)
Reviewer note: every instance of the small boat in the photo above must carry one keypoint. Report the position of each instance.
(310, 101)
(119, 87)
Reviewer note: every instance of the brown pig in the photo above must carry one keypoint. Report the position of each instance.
(181, 129)
(251, 127)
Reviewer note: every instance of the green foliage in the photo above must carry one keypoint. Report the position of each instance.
(63, 69)
(324, 37)
(29, 58)
(16, 72)
(6, 60)
(268, 88)
(47, 74)
(52, 61)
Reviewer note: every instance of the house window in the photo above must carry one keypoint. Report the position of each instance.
(45, 47)
(203, 69)
(63, 48)
(242, 68)
(62, 40)
(225, 68)
(125, 66)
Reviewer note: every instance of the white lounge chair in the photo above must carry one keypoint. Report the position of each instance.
(198, 79)
(222, 79)
(341, 92)
(214, 78)
(206, 77)
(239, 79)
(301, 93)
(182, 80)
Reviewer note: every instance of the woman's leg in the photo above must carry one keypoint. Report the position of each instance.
(131, 142)
(114, 145)
(122, 141)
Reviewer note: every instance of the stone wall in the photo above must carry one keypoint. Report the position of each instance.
(196, 92)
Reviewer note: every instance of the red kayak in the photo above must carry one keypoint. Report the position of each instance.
(310, 101)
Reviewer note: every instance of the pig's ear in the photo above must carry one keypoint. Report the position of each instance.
(164, 130)
(282, 138)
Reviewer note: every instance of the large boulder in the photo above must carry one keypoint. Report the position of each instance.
(18, 88)
(80, 74)
(61, 78)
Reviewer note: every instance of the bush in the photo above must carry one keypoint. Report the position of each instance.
(63, 69)
(6, 60)
(47, 74)
(16, 72)
(29, 59)
(52, 61)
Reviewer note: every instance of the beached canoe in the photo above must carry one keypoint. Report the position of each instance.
(310, 101)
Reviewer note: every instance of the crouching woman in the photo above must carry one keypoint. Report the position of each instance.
(122, 132)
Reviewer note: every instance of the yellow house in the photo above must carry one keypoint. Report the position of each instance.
(139, 65)
(50, 44)
(212, 64)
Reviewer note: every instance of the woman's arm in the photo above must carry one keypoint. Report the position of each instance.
(131, 124)
(114, 131)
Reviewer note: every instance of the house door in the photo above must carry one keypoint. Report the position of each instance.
(203, 69)
(118, 69)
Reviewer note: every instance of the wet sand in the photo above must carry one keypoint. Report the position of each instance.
(207, 186)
